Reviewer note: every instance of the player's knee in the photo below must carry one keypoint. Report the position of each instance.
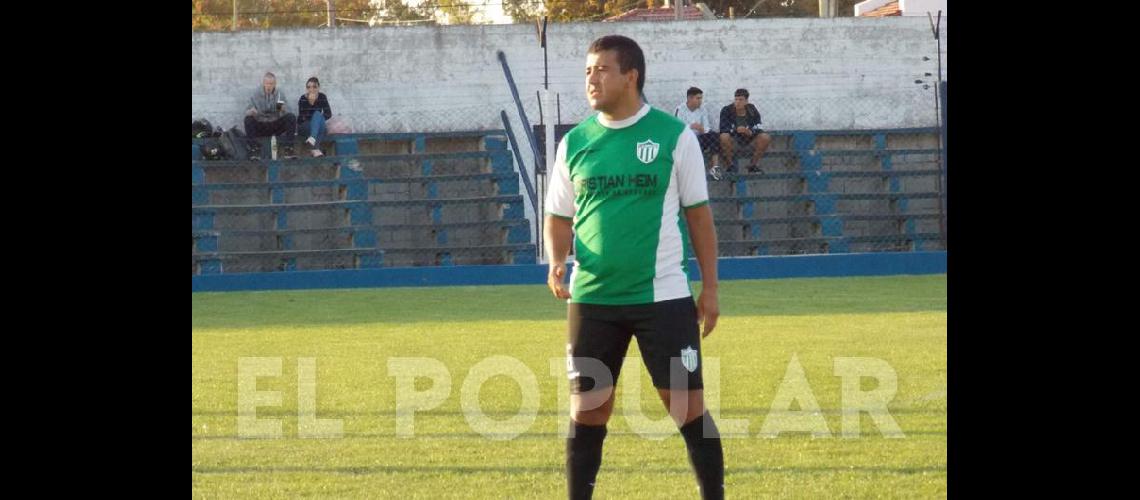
(690, 405)
(695, 410)
(688, 414)
(596, 416)
(593, 407)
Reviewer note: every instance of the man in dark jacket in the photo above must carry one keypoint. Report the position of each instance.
(740, 125)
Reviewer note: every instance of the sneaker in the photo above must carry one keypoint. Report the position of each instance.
(755, 169)
(312, 141)
(716, 173)
(288, 153)
(316, 152)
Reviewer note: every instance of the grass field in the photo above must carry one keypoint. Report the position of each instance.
(765, 324)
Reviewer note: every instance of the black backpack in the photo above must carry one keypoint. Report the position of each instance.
(234, 144)
(211, 148)
(201, 128)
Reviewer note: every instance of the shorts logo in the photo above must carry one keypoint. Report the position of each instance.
(647, 151)
(689, 358)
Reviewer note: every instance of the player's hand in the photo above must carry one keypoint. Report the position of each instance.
(555, 280)
(697, 127)
(251, 112)
(708, 310)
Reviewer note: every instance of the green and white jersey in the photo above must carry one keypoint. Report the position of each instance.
(624, 183)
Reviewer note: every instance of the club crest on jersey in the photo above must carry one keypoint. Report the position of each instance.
(647, 151)
(689, 358)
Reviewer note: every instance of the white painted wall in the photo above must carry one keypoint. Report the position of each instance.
(807, 73)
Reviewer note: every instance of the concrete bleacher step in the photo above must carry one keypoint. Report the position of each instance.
(484, 184)
(284, 260)
(284, 207)
(829, 244)
(382, 236)
(452, 198)
(375, 199)
(351, 166)
(361, 258)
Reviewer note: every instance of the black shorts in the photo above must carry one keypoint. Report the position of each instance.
(667, 335)
(709, 141)
(742, 139)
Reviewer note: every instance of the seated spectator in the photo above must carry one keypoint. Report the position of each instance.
(696, 116)
(268, 115)
(740, 125)
(312, 111)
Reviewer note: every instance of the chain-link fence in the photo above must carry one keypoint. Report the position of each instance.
(417, 177)
(867, 187)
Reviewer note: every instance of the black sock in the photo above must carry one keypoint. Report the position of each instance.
(706, 455)
(583, 458)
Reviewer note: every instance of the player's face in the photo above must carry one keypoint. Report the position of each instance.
(268, 84)
(696, 100)
(606, 86)
(740, 102)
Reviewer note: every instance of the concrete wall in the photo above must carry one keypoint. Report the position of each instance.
(802, 73)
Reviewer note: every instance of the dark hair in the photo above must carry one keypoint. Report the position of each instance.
(693, 91)
(313, 80)
(629, 55)
(741, 92)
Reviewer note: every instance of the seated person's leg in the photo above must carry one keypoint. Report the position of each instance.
(317, 128)
(287, 126)
(740, 145)
(726, 149)
(709, 143)
(759, 145)
(253, 127)
(710, 146)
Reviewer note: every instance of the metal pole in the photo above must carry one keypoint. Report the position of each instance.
(936, 30)
(234, 27)
(545, 64)
(538, 97)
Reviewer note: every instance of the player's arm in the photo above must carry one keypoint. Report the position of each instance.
(558, 228)
(703, 233)
(694, 197)
(558, 234)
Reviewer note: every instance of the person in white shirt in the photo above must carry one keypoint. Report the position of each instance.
(694, 114)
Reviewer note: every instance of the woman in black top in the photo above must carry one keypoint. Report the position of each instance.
(313, 110)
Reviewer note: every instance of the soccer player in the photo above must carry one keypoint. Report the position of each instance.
(629, 182)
